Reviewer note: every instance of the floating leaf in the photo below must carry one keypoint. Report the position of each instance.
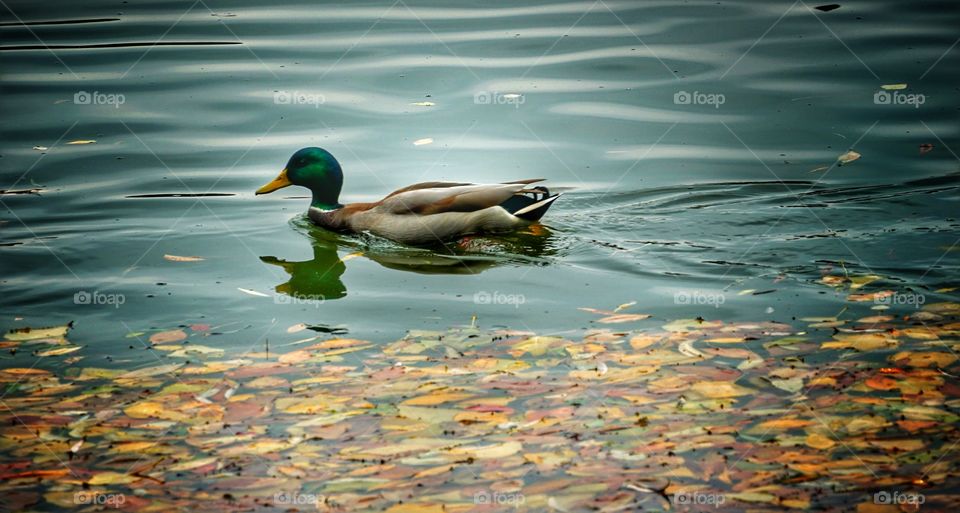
(151, 371)
(924, 359)
(38, 333)
(165, 337)
(109, 478)
(861, 342)
(818, 441)
(718, 389)
(59, 351)
(620, 318)
(252, 292)
(177, 258)
(848, 158)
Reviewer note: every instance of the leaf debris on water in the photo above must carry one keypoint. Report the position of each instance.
(847, 158)
(600, 420)
(178, 258)
(252, 292)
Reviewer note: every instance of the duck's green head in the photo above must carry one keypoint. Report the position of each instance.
(315, 169)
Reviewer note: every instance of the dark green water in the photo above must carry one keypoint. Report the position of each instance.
(670, 203)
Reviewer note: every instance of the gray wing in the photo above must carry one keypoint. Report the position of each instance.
(450, 198)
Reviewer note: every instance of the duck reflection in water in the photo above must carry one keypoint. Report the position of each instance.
(319, 278)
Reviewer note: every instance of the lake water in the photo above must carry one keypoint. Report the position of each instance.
(665, 198)
(697, 144)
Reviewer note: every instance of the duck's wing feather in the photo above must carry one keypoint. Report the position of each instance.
(424, 200)
(427, 185)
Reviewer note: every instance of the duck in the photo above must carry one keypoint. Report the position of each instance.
(419, 214)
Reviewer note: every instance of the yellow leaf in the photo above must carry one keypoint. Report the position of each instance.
(37, 333)
(20, 371)
(107, 478)
(177, 258)
(753, 497)
(165, 337)
(411, 507)
(847, 158)
(861, 342)
(338, 343)
(59, 351)
(818, 441)
(436, 398)
(150, 409)
(921, 333)
(486, 452)
(857, 282)
(782, 424)
(190, 465)
(294, 357)
(620, 318)
(311, 405)
(151, 371)
(870, 297)
(536, 346)
(718, 389)
(641, 341)
(927, 359)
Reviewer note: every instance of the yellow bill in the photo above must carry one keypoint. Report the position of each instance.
(279, 182)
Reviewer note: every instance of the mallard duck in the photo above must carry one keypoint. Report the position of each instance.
(418, 214)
